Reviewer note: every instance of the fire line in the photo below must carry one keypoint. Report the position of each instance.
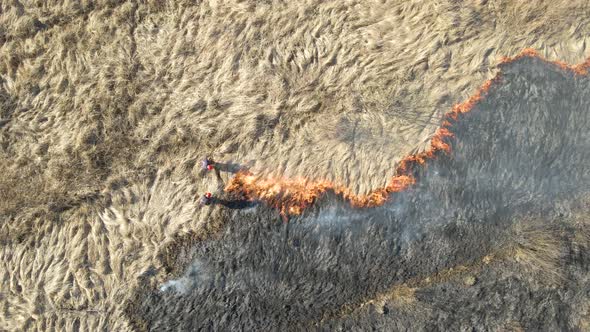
(293, 196)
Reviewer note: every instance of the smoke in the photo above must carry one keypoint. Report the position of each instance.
(195, 276)
(292, 196)
(521, 151)
(178, 285)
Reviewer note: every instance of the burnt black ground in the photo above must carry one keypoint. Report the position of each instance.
(521, 154)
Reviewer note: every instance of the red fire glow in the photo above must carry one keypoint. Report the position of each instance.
(292, 196)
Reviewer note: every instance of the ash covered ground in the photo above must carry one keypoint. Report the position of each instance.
(107, 107)
(493, 236)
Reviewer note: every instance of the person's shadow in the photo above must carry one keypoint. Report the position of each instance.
(229, 167)
(234, 204)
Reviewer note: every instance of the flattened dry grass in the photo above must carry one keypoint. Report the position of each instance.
(539, 249)
(96, 98)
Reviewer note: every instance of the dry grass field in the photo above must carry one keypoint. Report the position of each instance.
(107, 107)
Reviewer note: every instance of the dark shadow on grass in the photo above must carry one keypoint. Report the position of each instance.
(230, 167)
(234, 204)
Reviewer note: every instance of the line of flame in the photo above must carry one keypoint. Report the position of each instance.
(292, 196)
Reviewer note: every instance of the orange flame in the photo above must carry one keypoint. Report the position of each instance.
(292, 196)
(579, 69)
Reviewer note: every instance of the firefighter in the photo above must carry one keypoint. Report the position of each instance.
(206, 199)
(208, 164)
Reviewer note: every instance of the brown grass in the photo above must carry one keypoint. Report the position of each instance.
(539, 249)
(106, 106)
